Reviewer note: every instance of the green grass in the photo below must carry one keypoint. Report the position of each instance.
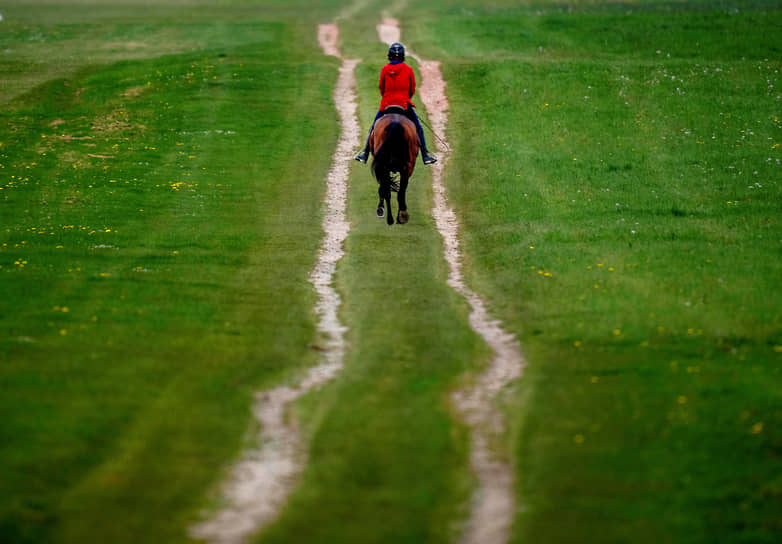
(154, 261)
(617, 176)
(161, 177)
(164, 231)
(388, 462)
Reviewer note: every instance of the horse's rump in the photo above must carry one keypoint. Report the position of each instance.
(394, 146)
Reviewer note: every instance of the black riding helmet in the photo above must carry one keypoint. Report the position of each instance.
(396, 51)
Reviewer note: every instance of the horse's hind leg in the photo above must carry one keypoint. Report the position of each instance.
(384, 191)
(389, 216)
(402, 217)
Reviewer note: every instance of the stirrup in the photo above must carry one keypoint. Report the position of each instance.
(362, 156)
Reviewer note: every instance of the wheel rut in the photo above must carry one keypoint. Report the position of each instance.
(262, 480)
(493, 505)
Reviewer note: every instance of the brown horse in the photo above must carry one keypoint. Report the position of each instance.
(394, 147)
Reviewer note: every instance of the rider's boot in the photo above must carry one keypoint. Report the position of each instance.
(363, 155)
(428, 159)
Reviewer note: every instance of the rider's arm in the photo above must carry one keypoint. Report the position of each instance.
(382, 84)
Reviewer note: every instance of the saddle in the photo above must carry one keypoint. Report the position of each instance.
(395, 109)
(399, 110)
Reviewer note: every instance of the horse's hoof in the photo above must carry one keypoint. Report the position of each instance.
(402, 218)
(380, 212)
(389, 220)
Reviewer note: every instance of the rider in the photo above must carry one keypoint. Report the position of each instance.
(397, 85)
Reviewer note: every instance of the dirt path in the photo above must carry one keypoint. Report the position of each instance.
(494, 505)
(261, 482)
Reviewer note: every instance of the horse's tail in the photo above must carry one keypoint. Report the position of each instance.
(393, 148)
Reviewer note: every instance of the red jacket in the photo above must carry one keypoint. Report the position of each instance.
(397, 85)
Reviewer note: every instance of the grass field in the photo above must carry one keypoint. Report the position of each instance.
(155, 252)
(616, 168)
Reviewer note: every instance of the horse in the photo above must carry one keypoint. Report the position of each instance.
(394, 147)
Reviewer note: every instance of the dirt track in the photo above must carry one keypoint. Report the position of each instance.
(260, 483)
(494, 505)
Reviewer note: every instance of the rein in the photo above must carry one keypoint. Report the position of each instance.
(443, 142)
